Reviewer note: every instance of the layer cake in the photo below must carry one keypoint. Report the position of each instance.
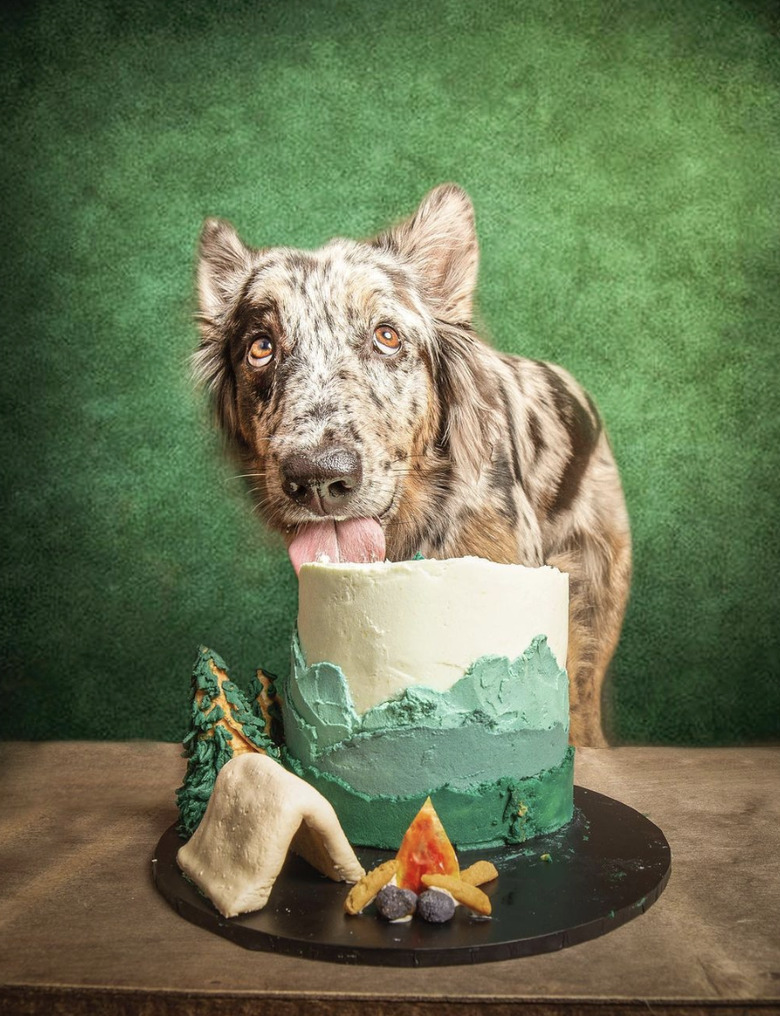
(432, 678)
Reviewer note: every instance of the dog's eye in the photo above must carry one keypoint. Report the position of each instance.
(260, 352)
(386, 340)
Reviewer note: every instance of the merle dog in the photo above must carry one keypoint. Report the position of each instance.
(375, 423)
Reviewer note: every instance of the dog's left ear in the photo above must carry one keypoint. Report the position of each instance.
(440, 242)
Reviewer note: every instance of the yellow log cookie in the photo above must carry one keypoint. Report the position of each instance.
(464, 893)
(479, 873)
(364, 891)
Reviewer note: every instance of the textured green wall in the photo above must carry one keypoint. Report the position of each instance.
(623, 160)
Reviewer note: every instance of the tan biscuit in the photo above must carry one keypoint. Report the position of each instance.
(464, 893)
(479, 873)
(364, 891)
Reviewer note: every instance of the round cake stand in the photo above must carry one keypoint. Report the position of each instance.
(606, 867)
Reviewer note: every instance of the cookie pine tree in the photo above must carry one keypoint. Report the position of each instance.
(222, 726)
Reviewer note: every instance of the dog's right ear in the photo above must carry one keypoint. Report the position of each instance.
(223, 265)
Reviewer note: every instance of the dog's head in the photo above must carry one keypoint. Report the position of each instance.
(346, 375)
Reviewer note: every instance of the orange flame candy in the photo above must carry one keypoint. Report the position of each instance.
(425, 850)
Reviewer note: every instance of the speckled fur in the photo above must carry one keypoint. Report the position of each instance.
(464, 450)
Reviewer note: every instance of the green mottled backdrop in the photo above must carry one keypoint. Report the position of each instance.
(623, 159)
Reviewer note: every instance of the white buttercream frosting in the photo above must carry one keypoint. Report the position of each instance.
(391, 625)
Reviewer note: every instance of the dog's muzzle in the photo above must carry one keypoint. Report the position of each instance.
(322, 479)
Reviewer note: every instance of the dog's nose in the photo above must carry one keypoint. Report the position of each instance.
(322, 479)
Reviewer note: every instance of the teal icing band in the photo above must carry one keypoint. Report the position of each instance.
(498, 813)
(411, 759)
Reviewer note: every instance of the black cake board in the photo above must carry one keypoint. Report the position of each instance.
(607, 866)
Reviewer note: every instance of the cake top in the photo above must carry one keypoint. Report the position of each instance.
(427, 565)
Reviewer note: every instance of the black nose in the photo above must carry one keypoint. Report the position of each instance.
(322, 479)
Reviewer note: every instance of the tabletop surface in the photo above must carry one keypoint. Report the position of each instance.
(80, 919)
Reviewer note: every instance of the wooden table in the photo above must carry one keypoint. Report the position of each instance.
(83, 930)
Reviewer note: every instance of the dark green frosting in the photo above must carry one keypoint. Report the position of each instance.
(497, 813)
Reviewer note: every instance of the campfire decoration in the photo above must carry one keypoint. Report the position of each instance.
(423, 878)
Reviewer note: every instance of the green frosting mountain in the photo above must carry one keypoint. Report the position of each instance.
(531, 691)
(503, 718)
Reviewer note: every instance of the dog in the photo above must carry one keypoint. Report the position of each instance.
(374, 422)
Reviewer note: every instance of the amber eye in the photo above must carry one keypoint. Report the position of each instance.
(260, 352)
(386, 340)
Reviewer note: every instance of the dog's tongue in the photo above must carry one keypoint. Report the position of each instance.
(358, 540)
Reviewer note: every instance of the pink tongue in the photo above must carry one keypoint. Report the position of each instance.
(358, 540)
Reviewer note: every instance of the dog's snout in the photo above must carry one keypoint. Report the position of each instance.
(322, 479)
